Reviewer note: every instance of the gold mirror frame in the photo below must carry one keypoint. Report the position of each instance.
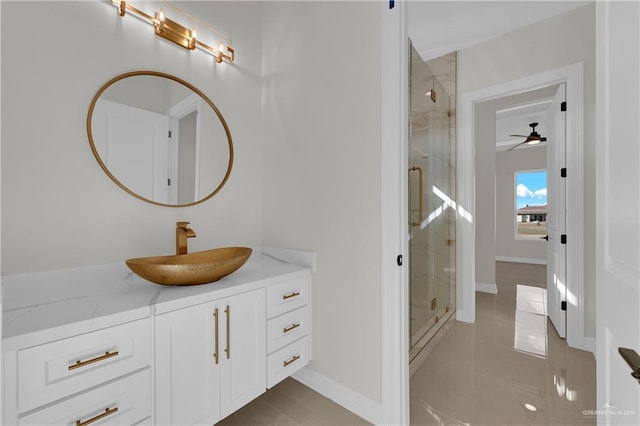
(177, 80)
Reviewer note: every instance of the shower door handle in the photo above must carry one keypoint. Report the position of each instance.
(419, 170)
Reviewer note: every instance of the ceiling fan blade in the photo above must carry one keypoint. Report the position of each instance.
(532, 138)
(516, 145)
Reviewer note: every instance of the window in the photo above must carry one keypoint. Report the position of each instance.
(531, 204)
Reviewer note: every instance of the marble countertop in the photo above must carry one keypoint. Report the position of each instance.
(54, 304)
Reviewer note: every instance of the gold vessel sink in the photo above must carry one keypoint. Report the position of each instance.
(199, 267)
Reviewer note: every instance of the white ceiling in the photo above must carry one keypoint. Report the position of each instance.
(440, 27)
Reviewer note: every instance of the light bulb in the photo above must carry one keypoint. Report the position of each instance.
(192, 40)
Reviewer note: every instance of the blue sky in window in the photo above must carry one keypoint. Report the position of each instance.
(531, 188)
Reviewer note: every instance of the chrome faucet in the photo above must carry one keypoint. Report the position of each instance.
(182, 233)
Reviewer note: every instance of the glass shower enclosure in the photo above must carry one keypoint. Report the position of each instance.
(432, 208)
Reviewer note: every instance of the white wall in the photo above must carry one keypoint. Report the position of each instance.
(556, 42)
(322, 173)
(507, 163)
(59, 209)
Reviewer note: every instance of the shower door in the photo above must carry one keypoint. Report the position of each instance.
(432, 209)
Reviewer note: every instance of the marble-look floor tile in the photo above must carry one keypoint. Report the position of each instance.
(256, 412)
(291, 403)
(318, 410)
(487, 373)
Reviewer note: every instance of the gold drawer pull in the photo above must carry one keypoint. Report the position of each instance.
(106, 355)
(107, 412)
(291, 327)
(292, 360)
(290, 295)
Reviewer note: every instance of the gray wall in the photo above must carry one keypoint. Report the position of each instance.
(485, 158)
(507, 163)
(489, 205)
(322, 172)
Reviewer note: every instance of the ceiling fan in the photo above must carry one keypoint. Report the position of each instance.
(531, 139)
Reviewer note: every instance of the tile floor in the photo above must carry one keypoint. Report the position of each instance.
(476, 374)
(500, 371)
(292, 403)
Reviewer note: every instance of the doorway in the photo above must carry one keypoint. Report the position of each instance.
(530, 195)
(469, 106)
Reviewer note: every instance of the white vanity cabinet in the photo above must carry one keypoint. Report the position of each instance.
(100, 375)
(210, 359)
(288, 328)
(99, 345)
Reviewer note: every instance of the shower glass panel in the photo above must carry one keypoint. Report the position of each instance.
(432, 210)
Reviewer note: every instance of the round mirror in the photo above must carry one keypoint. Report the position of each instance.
(160, 139)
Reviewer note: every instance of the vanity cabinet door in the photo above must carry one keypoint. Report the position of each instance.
(187, 376)
(210, 359)
(243, 363)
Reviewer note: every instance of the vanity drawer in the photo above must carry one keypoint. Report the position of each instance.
(58, 369)
(287, 328)
(287, 295)
(286, 361)
(123, 402)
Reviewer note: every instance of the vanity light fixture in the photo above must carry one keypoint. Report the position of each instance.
(178, 33)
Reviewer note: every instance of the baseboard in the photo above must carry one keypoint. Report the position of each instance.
(427, 349)
(521, 260)
(358, 404)
(487, 288)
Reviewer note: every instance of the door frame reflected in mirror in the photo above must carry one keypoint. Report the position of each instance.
(193, 103)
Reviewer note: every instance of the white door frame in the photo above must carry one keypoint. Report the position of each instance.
(191, 103)
(394, 130)
(573, 77)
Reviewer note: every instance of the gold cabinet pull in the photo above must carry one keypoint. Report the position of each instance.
(290, 295)
(291, 327)
(215, 353)
(292, 360)
(107, 412)
(106, 355)
(227, 311)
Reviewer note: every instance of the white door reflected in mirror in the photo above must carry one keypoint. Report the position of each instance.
(160, 139)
